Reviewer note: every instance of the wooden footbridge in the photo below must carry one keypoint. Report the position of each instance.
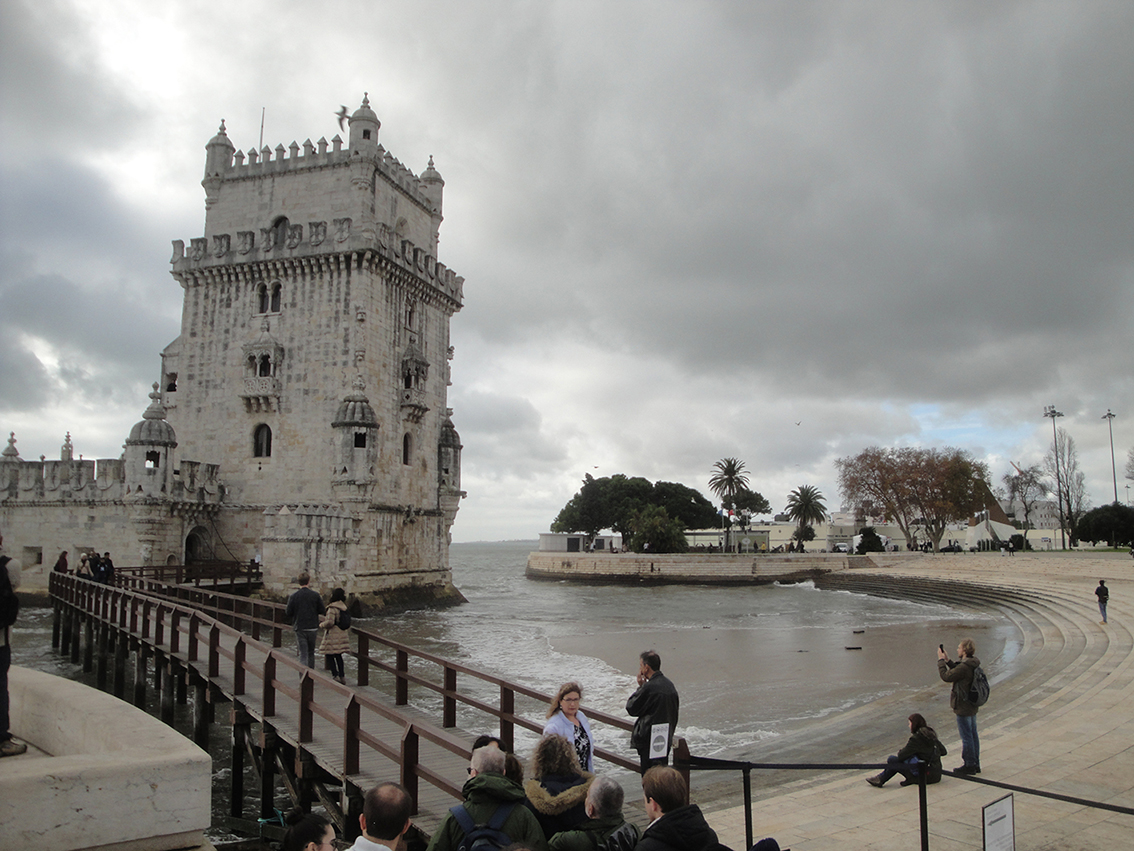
(294, 725)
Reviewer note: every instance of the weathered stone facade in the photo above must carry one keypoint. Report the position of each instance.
(312, 369)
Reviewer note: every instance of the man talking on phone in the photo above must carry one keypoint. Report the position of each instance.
(655, 705)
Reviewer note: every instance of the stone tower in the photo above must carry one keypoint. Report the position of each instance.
(312, 364)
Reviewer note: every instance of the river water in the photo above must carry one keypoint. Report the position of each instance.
(751, 663)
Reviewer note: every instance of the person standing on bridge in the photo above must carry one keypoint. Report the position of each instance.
(336, 639)
(304, 609)
(655, 705)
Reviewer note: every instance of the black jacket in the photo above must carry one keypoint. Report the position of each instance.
(683, 829)
(655, 702)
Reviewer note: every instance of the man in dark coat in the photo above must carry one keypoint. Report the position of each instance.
(304, 609)
(674, 824)
(654, 703)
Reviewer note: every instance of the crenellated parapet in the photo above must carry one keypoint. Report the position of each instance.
(324, 248)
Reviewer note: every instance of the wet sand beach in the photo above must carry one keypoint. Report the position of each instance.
(1061, 721)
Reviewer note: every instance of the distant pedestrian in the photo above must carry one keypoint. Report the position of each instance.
(655, 705)
(84, 570)
(61, 563)
(107, 569)
(304, 608)
(336, 639)
(1103, 593)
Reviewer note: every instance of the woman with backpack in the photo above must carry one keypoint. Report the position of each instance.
(336, 641)
(924, 746)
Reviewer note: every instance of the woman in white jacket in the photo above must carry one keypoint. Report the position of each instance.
(564, 719)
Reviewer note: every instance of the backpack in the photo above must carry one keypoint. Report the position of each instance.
(9, 602)
(483, 837)
(623, 838)
(342, 619)
(979, 690)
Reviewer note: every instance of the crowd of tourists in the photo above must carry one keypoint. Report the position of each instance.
(99, 568)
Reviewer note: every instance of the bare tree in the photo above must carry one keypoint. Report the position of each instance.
(1072, 487)
(1026, 487)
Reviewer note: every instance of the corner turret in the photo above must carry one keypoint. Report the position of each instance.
(364, 126)
(149, 465)
(433, 186)
(218, 160)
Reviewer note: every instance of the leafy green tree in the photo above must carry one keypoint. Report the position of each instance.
(803, 533)
(685, 504)
(1112, 523)
(652, 529)
(729, 478)
(869, 542)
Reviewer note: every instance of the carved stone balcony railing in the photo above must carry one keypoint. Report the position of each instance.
(261, 393)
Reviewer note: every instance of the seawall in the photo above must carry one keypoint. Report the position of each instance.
(698, 568)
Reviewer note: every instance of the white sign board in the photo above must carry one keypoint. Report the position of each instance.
(659, 741)
(999, 823)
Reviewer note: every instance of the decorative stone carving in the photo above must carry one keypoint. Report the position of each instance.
(245, 241)
(178, 250)
(198, 248)
(342, 227)
(221, 244)
(267, 238)
(317, 231)
(294, 235)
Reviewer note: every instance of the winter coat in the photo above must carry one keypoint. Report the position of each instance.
(561, 725)
(588, 835)
(304, 608)
(335, 640)
(925, 745)
(483, 794)
(558, 800)
(655, 702)
(682, 829)
(960, 674)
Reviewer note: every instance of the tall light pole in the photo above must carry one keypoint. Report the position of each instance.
(1108, 416)
(1050, 411)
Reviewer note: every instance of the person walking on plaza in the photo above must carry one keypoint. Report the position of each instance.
(486, 792)
(960, 674)
(9, 609)
(924, 746)
(564, 718)
(304, 608)
(655, 705)
(1103, 593)
(336, 639)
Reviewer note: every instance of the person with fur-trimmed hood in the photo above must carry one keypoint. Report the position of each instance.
(557, 790)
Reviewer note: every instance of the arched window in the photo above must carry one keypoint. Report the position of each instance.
(407, 448)
(279, 232)
(153, 460)
(277, 292)
(262, 441)
(265, 369)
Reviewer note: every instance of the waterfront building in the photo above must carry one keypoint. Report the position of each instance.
(310, 378)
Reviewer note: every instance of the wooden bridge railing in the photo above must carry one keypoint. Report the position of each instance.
(202, 641)
(454, 683)
(232, 573)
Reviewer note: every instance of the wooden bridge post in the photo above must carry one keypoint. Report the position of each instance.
(63, 617)
(507, 727)
(166, 665)
(306, 699)
(140, 655)
(410, 751)
(181, 680)
(120, 651)
(269, 743)
(88, 651)
(201, 712)
(352, 718)
(241, 726)
(363, 659)
(449, 699)
(268, 699)
(76, 635)
(401, 684)
(56, 625)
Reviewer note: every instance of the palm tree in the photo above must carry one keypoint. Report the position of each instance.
(805, 506)
(729, 479)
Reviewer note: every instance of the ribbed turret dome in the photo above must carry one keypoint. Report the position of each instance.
(153, 430)
(449, 437)
(355, 409)
(365, 113)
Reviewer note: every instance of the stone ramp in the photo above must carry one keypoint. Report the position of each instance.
(1064, 724)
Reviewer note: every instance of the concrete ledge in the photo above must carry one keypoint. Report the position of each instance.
(109, 776)
(683, 568)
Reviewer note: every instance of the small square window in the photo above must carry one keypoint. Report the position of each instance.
(360, 440)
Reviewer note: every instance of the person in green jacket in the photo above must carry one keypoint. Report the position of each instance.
(486, 790)
(606, 827)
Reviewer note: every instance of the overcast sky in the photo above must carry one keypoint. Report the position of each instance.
(782, 232)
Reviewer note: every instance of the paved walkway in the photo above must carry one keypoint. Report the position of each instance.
(1064, 723)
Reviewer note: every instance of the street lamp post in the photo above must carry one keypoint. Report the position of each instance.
(1108, 416)
(1050, 411)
